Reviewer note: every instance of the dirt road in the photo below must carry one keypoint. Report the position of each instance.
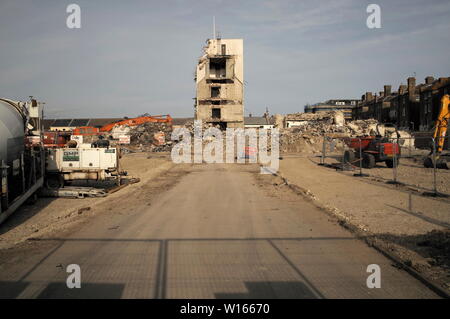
(204, 231)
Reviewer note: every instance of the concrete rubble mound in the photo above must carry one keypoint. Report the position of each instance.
(336, 117)
(145, 133)
(150, 137)
(304, 134)
(307, 130)
(190, 126)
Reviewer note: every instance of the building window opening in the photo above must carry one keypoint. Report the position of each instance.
(217, 68)
(216, 113)
(215, 92)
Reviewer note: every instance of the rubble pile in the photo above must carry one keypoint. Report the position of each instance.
(308, 129)
(305, 132)
(150, 136)
(190, 126)
(145, 133)
(297, 141)
(362, 127)
(336, 117)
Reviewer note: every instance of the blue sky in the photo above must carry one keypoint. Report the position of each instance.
(134, 57)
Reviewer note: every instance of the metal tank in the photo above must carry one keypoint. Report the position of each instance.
(11, 133)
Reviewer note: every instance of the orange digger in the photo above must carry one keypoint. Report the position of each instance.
(90, 130)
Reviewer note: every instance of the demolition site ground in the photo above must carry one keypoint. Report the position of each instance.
(226, 231)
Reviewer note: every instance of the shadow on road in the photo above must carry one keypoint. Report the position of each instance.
(59, 290)
(270, 290)
(24, 213)
(300, 289)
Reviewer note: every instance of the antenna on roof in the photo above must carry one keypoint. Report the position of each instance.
(214, 27)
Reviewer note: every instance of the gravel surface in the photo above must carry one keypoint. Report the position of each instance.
(50, 215)
(206, 231)
(400, 217)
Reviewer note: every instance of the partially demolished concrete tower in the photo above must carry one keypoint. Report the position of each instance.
(220, 84)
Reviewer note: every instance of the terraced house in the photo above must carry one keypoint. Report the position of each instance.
(413, 107)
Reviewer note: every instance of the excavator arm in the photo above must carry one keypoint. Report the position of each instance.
(440, 131)
(442, 124)
(138, 121)
(90, 130)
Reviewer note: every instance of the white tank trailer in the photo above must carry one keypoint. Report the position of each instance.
(22, 157)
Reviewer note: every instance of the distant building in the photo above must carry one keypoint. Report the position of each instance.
(377, 106)
(344, 105)
(65, 125)
(431, 93)
(413, 107)
(220, 84)
(258, 122)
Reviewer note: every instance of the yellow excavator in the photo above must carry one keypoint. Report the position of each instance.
(440, 132)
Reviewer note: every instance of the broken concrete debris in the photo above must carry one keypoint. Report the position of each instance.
(149, 137)
(299, 132)
(304, 132)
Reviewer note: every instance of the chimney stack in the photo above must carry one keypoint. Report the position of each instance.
(411, 82)
(401, 89)
(387, 90)
(369, 96)
(411, 88)
(429, 80)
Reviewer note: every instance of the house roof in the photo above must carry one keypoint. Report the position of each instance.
(256, 120)
(78, 122)
(61, 122)
(47, 123)
(436, 84)
(98, 122)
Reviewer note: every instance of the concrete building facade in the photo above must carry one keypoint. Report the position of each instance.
(346, 106)
(220, 84)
